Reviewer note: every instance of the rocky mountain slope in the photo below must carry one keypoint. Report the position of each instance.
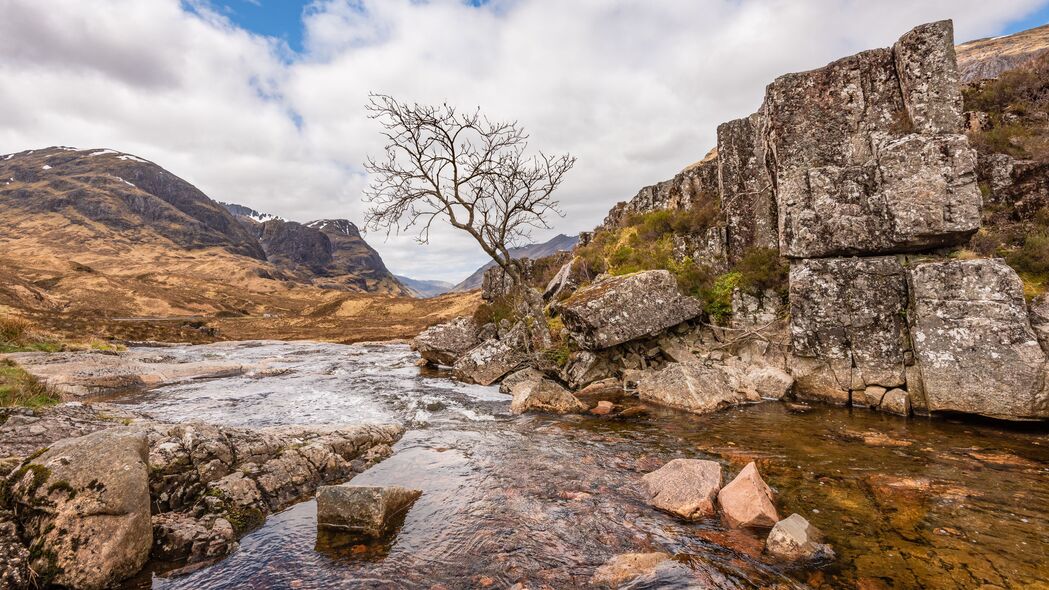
(989, 58)
(559, 243)
(327, 252)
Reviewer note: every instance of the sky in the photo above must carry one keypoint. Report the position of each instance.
(261, 102)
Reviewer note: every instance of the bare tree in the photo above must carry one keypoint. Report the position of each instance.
(464, 169)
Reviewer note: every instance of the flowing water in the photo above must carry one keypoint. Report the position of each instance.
(544, 500)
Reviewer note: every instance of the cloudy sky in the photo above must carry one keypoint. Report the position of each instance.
(260, 102)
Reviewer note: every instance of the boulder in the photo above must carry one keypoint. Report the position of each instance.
(867, 155)
(794, 539)
(603, 408)
(624, 568)
(769, 382)
(747, 501)
(585, 367)
(896, 401)
(696, 388)
(526, 375)
(365, 511)
(490, 360)
(623, 308)
(847, 325)
(85, 504)
(566, 281)
(544, 396)
(872, 396)
(973, 340)
(443, 344)
(751, 311)
(685, 487)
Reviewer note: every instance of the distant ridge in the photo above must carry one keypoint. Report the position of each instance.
(554, 245)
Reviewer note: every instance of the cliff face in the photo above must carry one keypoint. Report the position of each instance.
(860, 175)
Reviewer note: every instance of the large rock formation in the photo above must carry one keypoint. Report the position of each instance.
(867, 155)
(619, 309)
(973, 341)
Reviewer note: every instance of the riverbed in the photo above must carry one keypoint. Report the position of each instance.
(543, 500)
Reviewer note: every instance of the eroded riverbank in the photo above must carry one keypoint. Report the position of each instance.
(545, 500)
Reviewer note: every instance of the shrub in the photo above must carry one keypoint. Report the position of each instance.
(1033, 257)
(762, 269)
(718, 298)
(495, 312)
(12, 329)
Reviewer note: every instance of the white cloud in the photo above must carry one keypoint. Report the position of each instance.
(635, 89)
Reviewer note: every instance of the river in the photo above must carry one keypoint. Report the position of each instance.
(543, 500)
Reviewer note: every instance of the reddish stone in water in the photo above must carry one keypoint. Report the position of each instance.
(747, 501)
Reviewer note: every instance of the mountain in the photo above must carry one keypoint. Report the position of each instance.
(987, 58)
(90, 233)
(326, 252)
(424, 288)
(104, 193)
(554, 245)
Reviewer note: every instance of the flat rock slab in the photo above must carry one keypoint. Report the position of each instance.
(620, 309)
(367, 511)
(685, 487)
(84, 374)
(624, 568)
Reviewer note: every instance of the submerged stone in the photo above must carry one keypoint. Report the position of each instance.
(624, 568)
(368, 511)
(794, 539)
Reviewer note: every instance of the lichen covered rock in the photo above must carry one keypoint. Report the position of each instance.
(492, 359)
(443, 344)
(623, 308)
(84, 503)
(695, 387)
(847, 325)
(544, 395)
(973, 340)
(685, 487)
(867, 153)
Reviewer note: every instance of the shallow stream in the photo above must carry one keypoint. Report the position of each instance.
(544, 500)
